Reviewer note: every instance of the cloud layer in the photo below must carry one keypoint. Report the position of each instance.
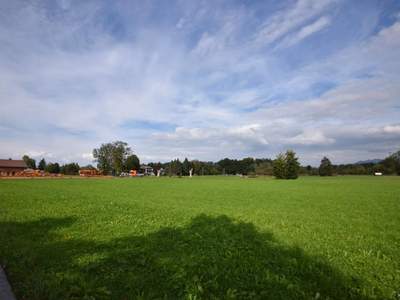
(200, 80)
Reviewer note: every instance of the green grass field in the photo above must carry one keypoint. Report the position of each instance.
(202, 238)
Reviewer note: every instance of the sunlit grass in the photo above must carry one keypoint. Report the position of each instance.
(201, 238)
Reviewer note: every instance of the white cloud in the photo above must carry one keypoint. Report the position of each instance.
(87, 156)
(242, 134)
(311, 137)
(67, 84)
(304, 32)
(39, 154)
(290, 19)
(392, 129)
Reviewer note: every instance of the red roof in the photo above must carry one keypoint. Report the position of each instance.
(11, 163)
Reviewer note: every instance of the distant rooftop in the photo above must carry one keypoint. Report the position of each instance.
(12, 163)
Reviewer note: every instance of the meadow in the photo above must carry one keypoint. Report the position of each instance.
(202, 238)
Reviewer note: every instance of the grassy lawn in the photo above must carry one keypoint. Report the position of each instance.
(202, 238)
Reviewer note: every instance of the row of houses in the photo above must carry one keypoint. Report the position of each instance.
(13, 167)
(18, 168)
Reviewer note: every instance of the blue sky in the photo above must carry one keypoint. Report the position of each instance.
(200, 79)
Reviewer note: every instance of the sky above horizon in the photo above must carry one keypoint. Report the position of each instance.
(200, 79)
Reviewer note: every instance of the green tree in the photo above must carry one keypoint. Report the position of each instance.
(378, 168)
(174, 168)
(30, 162)
(234, 166)
(228, 166)
(186, 166)
(246, 165)
(53, 168)
(70, 169)
(177, 167)
(119, 154)
(103, 157)
(42, 164)
(132, 163)
(292, 165)
(279, 166)
(392, 163)
(111, 157)
(196, 167)
(325, 168)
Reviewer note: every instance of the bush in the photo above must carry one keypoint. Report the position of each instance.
(279, 166)
(325, 168)
(286, 166)
(292, 165)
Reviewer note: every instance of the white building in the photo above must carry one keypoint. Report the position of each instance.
(146, 170)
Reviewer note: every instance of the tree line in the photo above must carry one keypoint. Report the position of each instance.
(111, 158)
(284, 166)
(388, 166)
(54, 168)
(246, 166)
(226, 166)
(117, 157)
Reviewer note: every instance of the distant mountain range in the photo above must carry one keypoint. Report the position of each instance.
(369, 161)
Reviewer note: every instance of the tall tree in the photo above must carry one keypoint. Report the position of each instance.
(174, 168)
(391, 163)
(103, 157)
(196, 166)
(186, 166)
(111, 157)
(292, 165)
(30, 162)
(325, 168)
(279, 166)
(119, 154)
(132, 163)
(42, 164)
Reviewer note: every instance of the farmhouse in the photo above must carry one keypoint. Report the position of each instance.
(10, 167)
(146, 170)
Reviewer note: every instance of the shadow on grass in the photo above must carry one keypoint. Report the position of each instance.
(211, 258)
